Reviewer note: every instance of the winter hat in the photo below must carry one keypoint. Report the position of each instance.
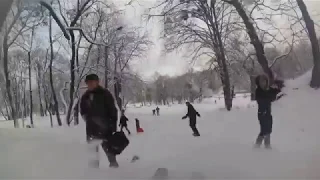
(92, 77)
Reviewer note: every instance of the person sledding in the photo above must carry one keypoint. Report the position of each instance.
(123, 122)
(265, 95)
(192, 114)
(98, 110)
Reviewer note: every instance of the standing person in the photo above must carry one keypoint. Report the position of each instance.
(158, 111)
(153, 112)
(97, 107)
(192, 114)
(123, 122)
(265, 94)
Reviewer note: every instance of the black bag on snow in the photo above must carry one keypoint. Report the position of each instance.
(117, 143)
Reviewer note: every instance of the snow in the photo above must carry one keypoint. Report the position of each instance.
(224, 149)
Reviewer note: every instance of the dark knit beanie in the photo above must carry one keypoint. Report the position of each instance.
(92, 77)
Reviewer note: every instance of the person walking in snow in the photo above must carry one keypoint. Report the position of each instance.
(265, 95)
(153, 112)
(192, 114)
(158, 111)
(97, 107)
(123, 122)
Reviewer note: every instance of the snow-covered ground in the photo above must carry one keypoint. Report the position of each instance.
(224, 149)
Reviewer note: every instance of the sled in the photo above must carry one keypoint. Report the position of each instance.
(140, 130)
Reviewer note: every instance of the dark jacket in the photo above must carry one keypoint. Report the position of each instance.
(192, 113)
(98, 109)
(264, 98)
(123, 120)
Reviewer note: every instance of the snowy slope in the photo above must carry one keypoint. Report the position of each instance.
(224, 149)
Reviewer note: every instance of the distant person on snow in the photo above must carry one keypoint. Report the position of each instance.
(158, 111)
(153, 112)
(265, 94)
(192, 114)
(97, 107)
(123, 122)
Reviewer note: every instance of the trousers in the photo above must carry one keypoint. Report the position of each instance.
(265, 121)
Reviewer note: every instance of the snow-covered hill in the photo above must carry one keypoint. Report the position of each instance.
(224, 149)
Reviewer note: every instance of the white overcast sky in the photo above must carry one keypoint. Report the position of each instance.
(173, 64)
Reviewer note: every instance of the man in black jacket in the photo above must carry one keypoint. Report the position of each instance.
(265, 94)
(98, 109)
(192, 114)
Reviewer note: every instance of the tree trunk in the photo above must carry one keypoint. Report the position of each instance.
(4, 9)
(56, 105)
(46, 99)
(255, 41)
(222, 62)
(39, 90)
(72, 76)
(24, 114)
(15, 87)
(76, 113)
(7, 79)
(117, 87)
(253, 87)
(315, 79)
(106, 54)
(225, 80)
(30, 90)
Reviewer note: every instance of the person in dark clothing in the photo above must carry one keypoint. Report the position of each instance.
(265, 95)
(98, 109)
(158, 111)
(153, 112)
(137, 124)
(123, 122)
(192, 114)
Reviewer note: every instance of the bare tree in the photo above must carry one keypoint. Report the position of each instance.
(315, 80)
(20, 17)
(74, 15)
(255, 41)
(55, 99)
(201, 27)
(130, 45)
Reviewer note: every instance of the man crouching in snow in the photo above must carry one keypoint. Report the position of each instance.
(98, 109)
(265, 94)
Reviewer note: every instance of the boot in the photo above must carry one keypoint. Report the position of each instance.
(111, 157)
(128, 131)
(267, 143)
(113, 161)
(259, 141)
(196, 134)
